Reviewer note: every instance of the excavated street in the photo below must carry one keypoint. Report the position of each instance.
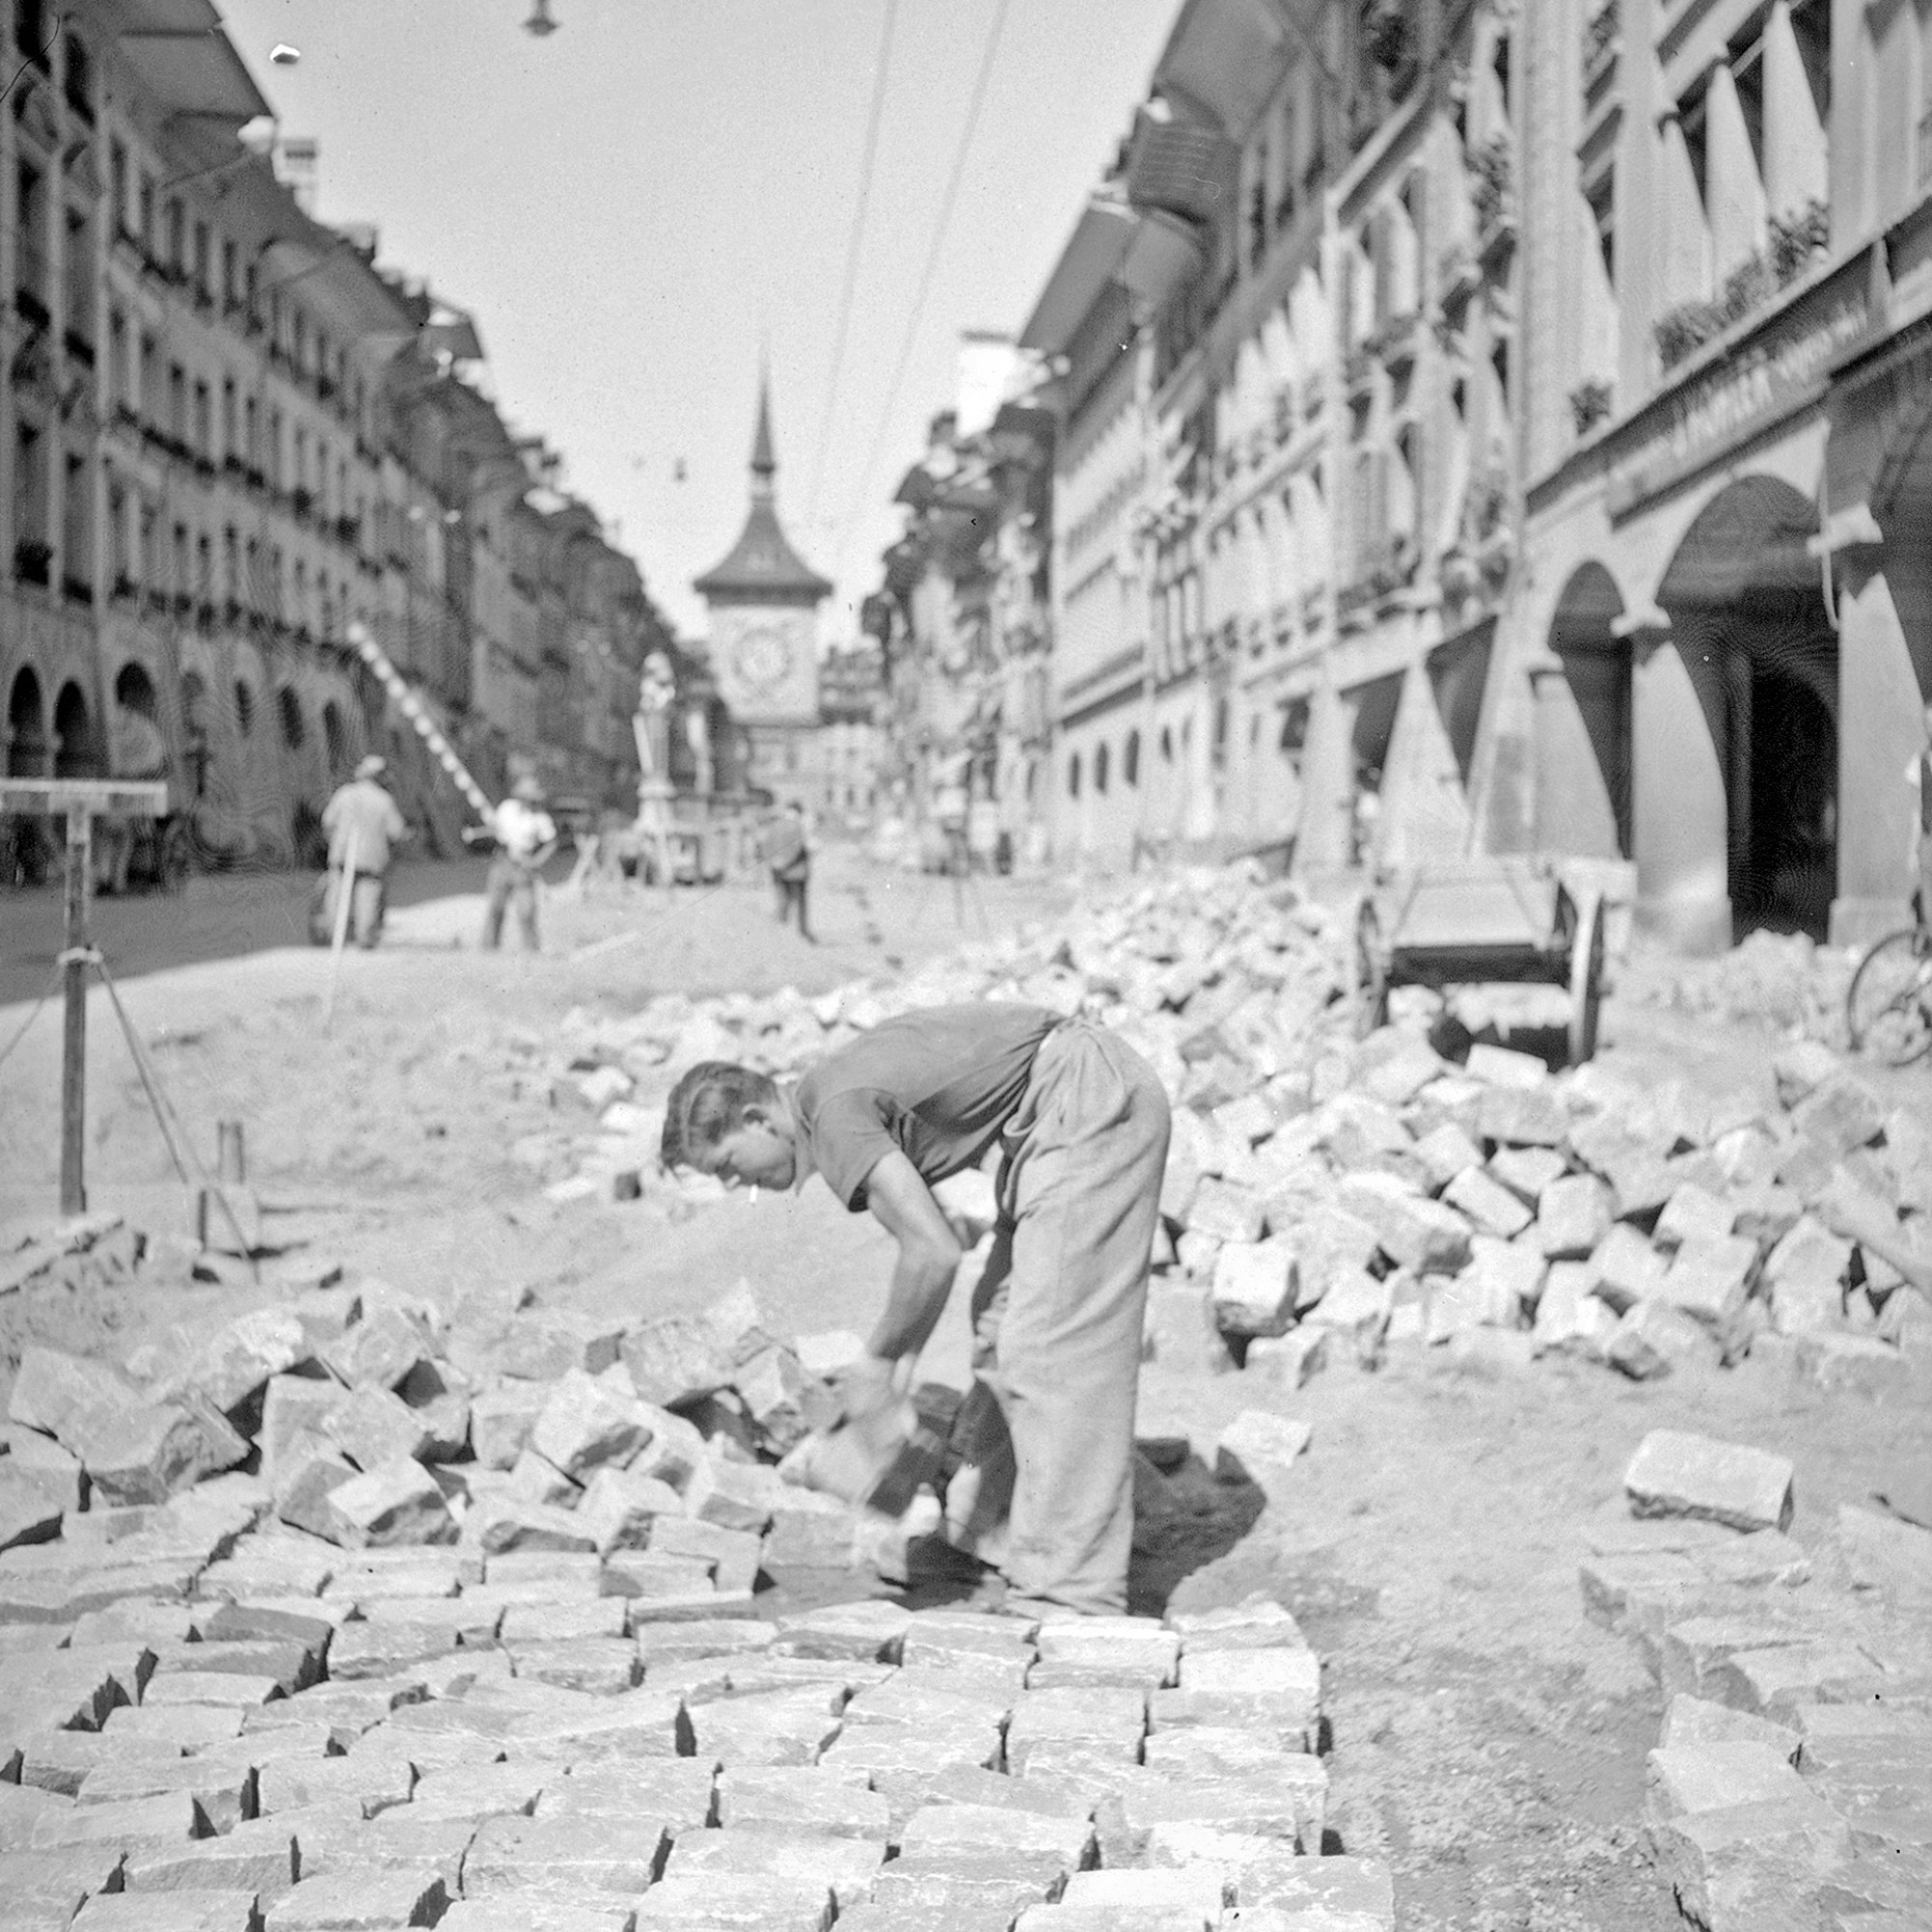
(1463, 1294)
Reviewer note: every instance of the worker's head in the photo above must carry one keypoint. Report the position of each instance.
(372, 767)
(730, 1121)
(529, 788)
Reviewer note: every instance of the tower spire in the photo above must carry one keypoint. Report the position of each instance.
(764, 463)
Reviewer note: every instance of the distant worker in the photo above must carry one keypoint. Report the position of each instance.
(136, 750)
(362, 819)
(1918, 777)
(788, 853)
(525, 837)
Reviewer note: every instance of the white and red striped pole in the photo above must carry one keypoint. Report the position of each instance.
(411, 708)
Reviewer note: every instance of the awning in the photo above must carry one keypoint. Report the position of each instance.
(1165, 255)
(1181, 166)
(1226, 57)
(1086, 265)
(178, 51)
(331, 269)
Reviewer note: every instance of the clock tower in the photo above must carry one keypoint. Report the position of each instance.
(763, 603)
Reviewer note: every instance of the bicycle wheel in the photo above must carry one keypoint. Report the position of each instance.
(1888, 1008)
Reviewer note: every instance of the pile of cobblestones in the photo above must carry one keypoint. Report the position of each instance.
(1781, 981)
(371, 1422)
(1326, 1193)
(1792, 1781)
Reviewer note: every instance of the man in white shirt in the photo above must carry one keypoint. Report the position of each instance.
(525, 837)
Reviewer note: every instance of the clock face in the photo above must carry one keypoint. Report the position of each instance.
(764, 656)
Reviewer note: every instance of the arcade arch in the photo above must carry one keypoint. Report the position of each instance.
(26, 748)
(1751, 632)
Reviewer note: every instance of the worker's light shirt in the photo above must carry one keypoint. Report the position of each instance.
(362, 807)
(521, 830)
(937, 1083)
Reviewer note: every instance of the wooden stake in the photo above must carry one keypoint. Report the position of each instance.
(344, 899)
(73, 1046)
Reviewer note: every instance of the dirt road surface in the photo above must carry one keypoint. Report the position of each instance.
(1485, 1739)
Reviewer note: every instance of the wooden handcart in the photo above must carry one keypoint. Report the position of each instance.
(1482, 919)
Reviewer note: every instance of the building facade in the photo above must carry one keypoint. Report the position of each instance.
(851, 738)
(226, 436)
(1481, 426)
(962, 619)
(1723, 643)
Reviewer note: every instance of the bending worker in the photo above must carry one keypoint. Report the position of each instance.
(1082, 1124)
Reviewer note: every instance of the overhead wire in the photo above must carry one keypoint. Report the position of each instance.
(874, 115)
(955, 176)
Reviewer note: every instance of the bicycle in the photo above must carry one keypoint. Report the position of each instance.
(1888, 1003)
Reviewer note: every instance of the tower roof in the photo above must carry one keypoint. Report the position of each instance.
(762, 562)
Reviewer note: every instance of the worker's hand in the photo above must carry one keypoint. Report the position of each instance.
(866, 1388)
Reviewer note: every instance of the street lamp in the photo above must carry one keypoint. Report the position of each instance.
(540, 23)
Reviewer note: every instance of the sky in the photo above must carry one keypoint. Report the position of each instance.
(638, 206)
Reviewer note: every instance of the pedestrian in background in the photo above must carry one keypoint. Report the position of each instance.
(361, 818)
(788, 853)
(525, 837)
(136, 750)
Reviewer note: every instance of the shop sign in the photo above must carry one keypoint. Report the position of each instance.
(1763, 379)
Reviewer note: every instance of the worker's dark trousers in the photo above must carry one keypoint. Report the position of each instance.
(1057, 1320)
(791, 897)
(510, 884)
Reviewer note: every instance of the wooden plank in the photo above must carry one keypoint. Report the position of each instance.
(74, 1042)
(100, 798)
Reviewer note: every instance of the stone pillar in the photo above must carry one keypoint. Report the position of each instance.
(1796, 156)
(1733, 193)
(1327, 794)
(1575, 811)
(1425, 816)
(1682, 240)
(1880, 730)
(1680, 820)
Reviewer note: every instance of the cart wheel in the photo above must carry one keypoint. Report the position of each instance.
(1889, 1007)
(1586, 977)
(1371, 972)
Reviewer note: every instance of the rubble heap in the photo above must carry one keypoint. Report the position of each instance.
(373, 1422)
(1792, 1781)
(1784, 982)
(1324, 1191)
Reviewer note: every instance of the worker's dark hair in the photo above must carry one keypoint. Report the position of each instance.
(708, 1103)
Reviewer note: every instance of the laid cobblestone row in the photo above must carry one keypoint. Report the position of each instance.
(1792, 1780)
(202, 1765)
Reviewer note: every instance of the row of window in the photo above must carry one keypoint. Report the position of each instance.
(1104, 757)
(254, 577)
(1291, 738)
(237, 430)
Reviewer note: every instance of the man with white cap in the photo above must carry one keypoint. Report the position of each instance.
(364, 827)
